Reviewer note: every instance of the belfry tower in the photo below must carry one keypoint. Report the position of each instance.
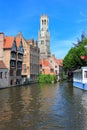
(44, 37)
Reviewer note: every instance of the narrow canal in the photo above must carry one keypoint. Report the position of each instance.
(43, 107)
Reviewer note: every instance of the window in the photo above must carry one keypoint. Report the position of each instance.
(56, 71)
(43, 70)
(12, 63)
(18, 72)
(51, 70)
(6, 75)
(11, 82)
(24, 68)
(1, 75)
(19, 64)
(40, 66)
(42, 42)
(85, 74)
(11, 72)
(55, 66)
(50, 61)
(13, 55)
(20, 56)
(44, 22)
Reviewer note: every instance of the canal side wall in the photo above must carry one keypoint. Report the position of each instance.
(4, 78)
(4, 84)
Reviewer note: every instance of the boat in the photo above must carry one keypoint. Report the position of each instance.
(80, 78)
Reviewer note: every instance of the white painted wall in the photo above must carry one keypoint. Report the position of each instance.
(4, 80)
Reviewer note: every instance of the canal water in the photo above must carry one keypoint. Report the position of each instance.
(43, 107)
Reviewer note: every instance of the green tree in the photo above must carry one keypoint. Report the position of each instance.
(47, 78)
(73, 59)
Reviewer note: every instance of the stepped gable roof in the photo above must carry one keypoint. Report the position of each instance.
(58, 61)
(18, 39)
(2, 65)
(8, 41)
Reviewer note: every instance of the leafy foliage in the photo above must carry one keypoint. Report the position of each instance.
(73, 59)
(43, 78)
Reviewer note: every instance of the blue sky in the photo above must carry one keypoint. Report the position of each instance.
(67, 20)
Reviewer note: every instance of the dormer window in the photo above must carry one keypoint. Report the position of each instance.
(14, 46)
(13, 55)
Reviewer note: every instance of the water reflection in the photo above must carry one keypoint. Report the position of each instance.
(38, 107)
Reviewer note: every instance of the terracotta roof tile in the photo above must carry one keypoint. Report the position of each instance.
(45, 63)
(2, 65)
(8, 42)
(59, 61)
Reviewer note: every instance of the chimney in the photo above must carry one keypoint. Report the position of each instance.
(1, 45)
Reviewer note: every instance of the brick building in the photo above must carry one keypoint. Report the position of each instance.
(12, 54)
(30, 68)
(51, 66)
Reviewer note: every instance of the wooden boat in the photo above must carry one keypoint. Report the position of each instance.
(80, 78)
